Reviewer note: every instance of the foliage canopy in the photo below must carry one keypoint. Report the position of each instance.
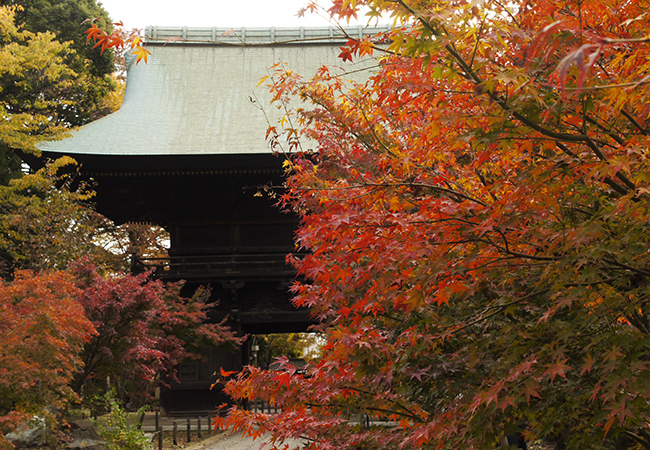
(33, 77)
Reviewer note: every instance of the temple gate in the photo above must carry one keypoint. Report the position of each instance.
(187, 152)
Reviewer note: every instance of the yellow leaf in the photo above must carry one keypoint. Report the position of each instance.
(141, 53)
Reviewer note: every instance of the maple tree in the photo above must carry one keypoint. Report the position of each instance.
(144, 330)
(42, 331)
(85, 100)
(476, 216)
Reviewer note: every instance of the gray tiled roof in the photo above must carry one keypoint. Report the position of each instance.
(195, 99)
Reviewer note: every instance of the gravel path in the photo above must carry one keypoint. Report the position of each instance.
(237, 442)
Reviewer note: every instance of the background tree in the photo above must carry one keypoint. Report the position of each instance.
(273, 346)
(93, 68)
(66, 19)
(42, 331)
(50, 78)
(476, 217)
(45, 223)
(32, 75)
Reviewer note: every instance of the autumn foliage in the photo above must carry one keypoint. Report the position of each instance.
(144, 330)
(476, 221)
(119, 39)
(42, 332)
(46, 223)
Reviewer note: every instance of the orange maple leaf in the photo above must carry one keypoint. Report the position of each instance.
(225, 373)
(95, 33)
(346, 54)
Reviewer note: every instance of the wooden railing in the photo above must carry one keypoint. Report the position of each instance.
(263, 407)
(215, 266)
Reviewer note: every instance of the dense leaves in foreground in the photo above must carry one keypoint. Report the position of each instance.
(476, 217)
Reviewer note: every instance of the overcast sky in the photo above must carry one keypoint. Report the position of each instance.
(209, 13)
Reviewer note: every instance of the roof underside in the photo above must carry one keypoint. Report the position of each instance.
(195, 99)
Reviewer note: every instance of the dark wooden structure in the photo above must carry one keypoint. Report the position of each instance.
(187, 152)
(223, 235)
(224, 232)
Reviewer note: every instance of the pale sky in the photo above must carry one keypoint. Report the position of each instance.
(214, 13)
